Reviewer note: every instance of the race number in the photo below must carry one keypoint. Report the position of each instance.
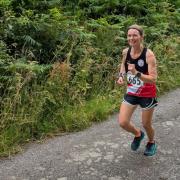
(135, 81)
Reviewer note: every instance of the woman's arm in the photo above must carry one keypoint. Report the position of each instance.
(152, 68)
(122, 71)
(122, 67)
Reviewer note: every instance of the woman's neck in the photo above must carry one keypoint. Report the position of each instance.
(137, 49)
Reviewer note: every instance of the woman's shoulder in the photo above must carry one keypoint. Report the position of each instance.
(150, 55)
(124, 54)
(125, 50)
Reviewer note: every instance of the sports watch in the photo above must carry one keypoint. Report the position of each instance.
(138, 75)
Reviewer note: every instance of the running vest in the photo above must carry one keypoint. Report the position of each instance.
(136, 86)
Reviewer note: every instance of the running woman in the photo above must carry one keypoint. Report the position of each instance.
(139, 67)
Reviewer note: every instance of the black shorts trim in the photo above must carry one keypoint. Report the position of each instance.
(144, 102)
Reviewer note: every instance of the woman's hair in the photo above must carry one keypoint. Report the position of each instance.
(138, 28)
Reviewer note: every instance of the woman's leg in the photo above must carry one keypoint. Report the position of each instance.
(125, 114)
(147, 123)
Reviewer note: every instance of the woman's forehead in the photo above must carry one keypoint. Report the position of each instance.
(133, 31)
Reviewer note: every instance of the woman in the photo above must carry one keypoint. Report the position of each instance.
(139, 66)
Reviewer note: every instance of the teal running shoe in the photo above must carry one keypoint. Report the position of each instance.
(137, 141)
(150, 149)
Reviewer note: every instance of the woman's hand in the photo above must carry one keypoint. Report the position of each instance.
(120, 80)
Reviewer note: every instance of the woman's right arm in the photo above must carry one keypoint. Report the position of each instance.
(122, 71)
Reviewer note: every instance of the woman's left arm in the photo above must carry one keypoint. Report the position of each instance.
(152, 68)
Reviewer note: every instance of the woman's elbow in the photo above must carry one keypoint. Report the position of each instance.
(153, 79)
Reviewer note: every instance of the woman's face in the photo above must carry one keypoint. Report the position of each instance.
(134, 38)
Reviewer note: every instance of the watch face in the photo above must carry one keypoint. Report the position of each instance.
(138, 74)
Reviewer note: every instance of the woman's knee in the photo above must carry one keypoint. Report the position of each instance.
(123, 123)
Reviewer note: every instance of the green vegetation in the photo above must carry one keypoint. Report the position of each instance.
(59, 59)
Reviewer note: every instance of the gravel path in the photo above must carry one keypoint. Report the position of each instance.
(102, 152)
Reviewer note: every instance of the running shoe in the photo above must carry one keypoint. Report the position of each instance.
(150, 149)
(137, 141)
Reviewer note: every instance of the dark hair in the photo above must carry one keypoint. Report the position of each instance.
(138, 28)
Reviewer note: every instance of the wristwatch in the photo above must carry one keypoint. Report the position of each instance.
(121, 75)
(138, 75)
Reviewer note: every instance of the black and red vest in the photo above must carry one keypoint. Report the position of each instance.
(136, 86)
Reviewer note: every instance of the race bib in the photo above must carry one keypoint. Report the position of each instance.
(133, 80)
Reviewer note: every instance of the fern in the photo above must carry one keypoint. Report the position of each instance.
(29, 41)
